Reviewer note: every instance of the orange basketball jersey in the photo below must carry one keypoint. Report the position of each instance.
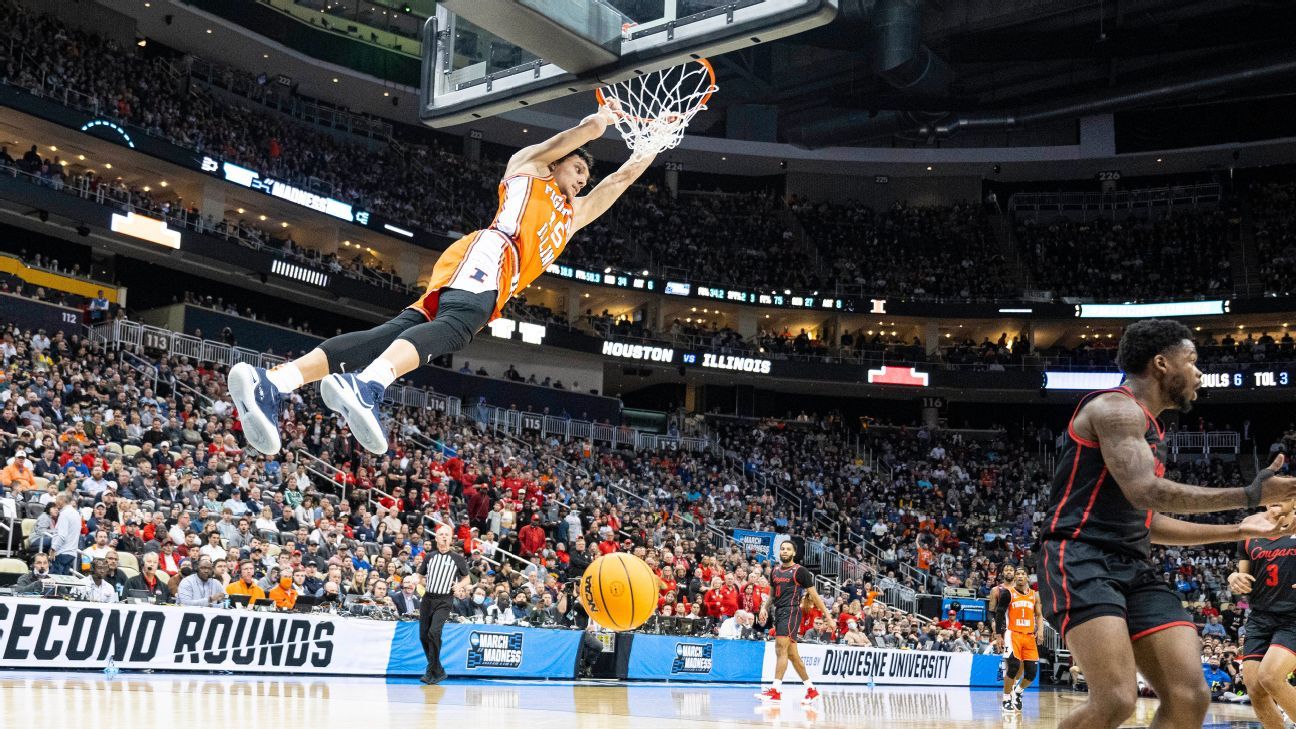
(1021, 612)
(530, 230)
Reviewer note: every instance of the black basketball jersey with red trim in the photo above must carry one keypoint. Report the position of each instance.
(1001, 607)
(787, 586)
(1086, 504)
(1273, 563)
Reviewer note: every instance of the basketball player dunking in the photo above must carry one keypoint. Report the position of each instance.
(789, 584)
(1025, 622)
(1098, 585)
(473, 279)
(1269, 652)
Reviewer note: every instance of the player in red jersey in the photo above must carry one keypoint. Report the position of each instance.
(1098, 584)
(1267, 572)
(789, 584)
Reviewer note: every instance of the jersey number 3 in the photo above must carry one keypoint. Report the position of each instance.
(1271, 575)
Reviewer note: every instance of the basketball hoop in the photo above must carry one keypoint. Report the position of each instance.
(653, 110)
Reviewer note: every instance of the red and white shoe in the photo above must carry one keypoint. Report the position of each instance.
(770, 694)
(812, 693)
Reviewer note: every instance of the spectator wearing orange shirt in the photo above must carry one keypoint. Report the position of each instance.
(18, 476)
(925, 558)
(246, 583)
(870, 594)
(284, 594)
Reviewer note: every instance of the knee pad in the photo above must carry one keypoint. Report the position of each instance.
(1012, 664)
(1032, 670)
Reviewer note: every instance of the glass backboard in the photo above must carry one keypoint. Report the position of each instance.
(486, 57)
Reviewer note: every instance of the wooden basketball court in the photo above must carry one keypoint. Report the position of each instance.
(56, 700)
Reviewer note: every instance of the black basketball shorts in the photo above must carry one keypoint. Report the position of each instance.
(787, 623)
(1265, 629)
(1079, 582)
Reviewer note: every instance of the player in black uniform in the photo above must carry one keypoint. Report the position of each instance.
(1000, 597)
(1097, 582)
(1269, 653)
(790, 583)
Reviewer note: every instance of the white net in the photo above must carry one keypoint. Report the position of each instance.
(653, 110)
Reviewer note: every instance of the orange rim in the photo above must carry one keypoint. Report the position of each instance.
(711, 88)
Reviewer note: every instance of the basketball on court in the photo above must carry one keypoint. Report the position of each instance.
(619, 591)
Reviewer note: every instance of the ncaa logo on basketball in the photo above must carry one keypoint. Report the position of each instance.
(494, 650)
(587, 587)
(692, 658)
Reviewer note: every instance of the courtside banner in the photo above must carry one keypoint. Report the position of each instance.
(471, 649)
(849, 664)
(35, 633)
(679, 658)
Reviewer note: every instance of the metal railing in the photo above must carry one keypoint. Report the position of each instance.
(517, 422)
(134, 334)
(322, 469)
(1203, 442)
(278, 97)
(140, 365)
(121, 332)
(832, 560)
(1153, 197)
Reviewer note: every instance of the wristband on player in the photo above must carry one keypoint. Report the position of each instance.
(1254, 491)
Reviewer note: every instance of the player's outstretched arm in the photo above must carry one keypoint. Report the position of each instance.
(590, 207)
(535, 160)
(1177, 532)
(1120, 425)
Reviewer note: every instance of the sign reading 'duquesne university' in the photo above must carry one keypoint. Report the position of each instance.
(86, 635)
(850, 664)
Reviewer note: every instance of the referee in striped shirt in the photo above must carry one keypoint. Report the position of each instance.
(441, 571)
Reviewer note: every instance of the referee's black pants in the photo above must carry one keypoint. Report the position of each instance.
(433, 612)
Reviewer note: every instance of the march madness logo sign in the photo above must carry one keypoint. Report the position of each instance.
(692, 658)
(494, 650)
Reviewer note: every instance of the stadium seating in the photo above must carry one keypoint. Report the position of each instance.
(755, 240)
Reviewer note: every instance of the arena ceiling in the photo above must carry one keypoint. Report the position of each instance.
(867, 78)
(957, 75)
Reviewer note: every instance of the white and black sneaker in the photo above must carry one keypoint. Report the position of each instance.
(357, 401)
(257, 401)
(1017, 701)
(1009, 706)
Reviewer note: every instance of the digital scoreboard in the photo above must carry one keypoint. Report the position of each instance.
(1251, 379)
